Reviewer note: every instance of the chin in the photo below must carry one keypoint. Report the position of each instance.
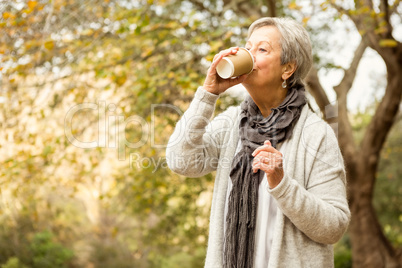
(250, 81)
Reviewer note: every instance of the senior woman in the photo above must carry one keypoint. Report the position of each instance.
(279, 197)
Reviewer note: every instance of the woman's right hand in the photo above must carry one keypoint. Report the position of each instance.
(213, 82)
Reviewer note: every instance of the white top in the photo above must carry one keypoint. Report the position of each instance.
(266, 216)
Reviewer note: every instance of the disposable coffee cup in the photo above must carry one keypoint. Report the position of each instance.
(235, 65)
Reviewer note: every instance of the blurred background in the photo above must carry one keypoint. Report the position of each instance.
(90, 91)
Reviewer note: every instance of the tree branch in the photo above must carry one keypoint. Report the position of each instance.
(387, 110)
(394, 7)
(316, 90)
(202, 7)
(243, 7)
(347, 81)
(271, 8)
(345, 135)
(339, 8)
(384, 7)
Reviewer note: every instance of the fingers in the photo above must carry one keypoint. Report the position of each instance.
(267, 158)
(226, 52)
(218, 57)
(237, 80)
(215, 84)
(267, 168)
(266, 147)
(267, 162)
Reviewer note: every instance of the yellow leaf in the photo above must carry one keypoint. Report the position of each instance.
(209, 57)
(216, 45)
(115, 231)
(32, 4)
(147, 52)
(193, 75)
(120, 80)
(381, 30)
(382, 24)
(27, 11)
(172, 25)
(293, 5)
(388, 43)
(49, 45)
(87, 32)
(228, 35)
(305, 20)
(8, 15)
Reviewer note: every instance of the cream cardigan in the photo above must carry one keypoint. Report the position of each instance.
(313, 212)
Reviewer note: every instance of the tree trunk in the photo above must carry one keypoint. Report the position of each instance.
(370, 247)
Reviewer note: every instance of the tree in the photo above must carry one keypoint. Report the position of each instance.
(58, 54)
(370, 247)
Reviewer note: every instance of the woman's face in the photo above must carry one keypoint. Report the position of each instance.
(264, 44)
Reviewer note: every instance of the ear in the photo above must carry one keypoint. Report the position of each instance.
(288, 69)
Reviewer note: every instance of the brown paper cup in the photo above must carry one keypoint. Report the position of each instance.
(235, 65)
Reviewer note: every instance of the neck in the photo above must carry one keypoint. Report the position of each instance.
(267, 98)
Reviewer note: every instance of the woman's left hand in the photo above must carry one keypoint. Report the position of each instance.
(269, 160)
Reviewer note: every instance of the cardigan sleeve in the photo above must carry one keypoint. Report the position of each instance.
(193, 148)
(319, 208)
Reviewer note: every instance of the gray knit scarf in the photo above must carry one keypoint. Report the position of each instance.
(243, 199)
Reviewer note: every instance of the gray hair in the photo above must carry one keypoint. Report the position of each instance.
(295, 44)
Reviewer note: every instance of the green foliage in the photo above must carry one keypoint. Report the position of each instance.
(112, 254)
(195, 259)
(47, 253)
(27, 248)
(15, 237)
(13, 262)
(343, 253)
(388, 191)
